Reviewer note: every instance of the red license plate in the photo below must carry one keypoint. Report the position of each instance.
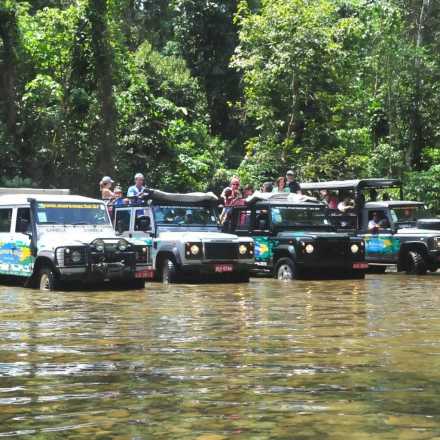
(144, 274)
(222, 268)
(360, 265)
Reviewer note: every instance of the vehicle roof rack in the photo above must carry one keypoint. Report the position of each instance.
(280, 197)
(356, 184)
(34, 191)
(158, 197)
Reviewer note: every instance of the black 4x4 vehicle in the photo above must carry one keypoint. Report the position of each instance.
(293, 235)
(396, 232)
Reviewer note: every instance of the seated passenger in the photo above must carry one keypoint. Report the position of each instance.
(248, 190)
(138, 189)
(281, 185)
(119, 199)
(267, 187)
(347, 205)
(378, 222)
(329, 199)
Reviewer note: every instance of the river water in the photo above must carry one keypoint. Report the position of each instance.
(269, 360)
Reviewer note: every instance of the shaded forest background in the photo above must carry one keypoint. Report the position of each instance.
(192, 91)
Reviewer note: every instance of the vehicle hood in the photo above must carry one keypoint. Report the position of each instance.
(51, 239)
(196, 236)
(311, 234)
(418, 231)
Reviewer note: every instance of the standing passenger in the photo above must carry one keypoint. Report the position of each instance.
(105, 186)
(281, 185)
(138, 188)
(293, 185)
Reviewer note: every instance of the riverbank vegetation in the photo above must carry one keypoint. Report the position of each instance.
(192, 91)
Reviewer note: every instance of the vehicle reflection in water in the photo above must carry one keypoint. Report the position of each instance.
(307, 359)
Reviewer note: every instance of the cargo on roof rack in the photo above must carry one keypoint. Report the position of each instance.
(30, 191)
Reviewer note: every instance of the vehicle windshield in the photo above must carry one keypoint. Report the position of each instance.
(408, 214)
(71, 214)
(291, 216)
(185, 216)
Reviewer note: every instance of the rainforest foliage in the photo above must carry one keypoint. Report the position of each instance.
(192, 91)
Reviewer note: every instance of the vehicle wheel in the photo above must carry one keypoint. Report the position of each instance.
(286, 269)
(416, 264)
(170, 273)
(47, 279)
(377, 269)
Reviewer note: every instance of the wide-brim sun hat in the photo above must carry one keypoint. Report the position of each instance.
(106, 179)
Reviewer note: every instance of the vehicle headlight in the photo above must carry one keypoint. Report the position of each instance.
(242, 249)
(194, 249)
(76, 257)
(354, 248)
(437, 242)
(99, 245)
(310, 248)
(122, 245)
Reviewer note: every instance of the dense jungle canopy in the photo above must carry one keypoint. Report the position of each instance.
(192, 91)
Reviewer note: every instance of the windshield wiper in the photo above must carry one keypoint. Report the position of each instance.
(48, 223)
(79, 223)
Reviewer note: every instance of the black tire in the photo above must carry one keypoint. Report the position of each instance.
(47, 279)
(169, 271)
(416, 264)
(286, 270)
(377, 269)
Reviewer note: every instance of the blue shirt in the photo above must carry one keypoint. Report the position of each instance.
(134, 191)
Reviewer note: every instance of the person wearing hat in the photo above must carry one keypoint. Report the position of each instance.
(119, 197)
(292, 184)
(138, 188)
(105, 185)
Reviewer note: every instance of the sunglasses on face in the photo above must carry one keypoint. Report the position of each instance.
(235, 184)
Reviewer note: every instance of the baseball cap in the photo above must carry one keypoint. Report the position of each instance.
(106, 179)
(290, 173)
(139, 176)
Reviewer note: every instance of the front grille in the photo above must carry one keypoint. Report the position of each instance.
(221, 251)
(332, 247)
(129, 258)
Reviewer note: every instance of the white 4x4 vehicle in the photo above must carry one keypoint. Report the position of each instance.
(187, 238)
(49, 236)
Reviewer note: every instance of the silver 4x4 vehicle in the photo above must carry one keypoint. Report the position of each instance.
(396, 232)
(50, 236)
(187, 238)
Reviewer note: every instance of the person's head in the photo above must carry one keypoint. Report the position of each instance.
(375, 216)
(118, 192)
(373, 194)
(290, 176)
(248, 190)
(385, 197)
(267, 187)
(106, 182)
(281, 182)
(235, 183)
(139, 179)
(228, 192)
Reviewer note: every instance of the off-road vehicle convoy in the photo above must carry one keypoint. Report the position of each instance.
(187, 238)
(396, 232)
(50, 236)
(294, 237)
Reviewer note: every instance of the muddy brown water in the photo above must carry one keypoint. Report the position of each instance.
(268, 360)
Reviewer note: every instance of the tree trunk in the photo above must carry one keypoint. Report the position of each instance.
(415, 147)
(8, 71)
(102, 54)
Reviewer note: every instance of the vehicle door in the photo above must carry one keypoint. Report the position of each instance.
(380, 245)
(142, 226)
(21, 238)
(6, 244)
(123, 221)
